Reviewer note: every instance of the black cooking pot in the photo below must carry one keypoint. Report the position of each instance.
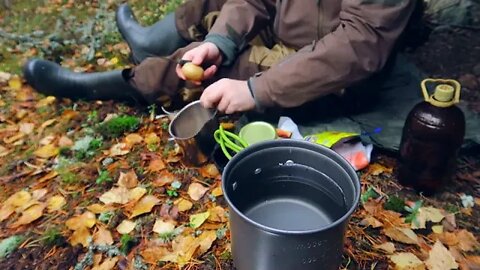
(290, 202)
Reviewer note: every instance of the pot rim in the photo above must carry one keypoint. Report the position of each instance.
(177, 114)
(298, 144)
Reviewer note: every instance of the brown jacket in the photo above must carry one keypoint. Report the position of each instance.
(338, 43)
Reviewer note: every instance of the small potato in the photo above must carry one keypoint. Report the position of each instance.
(192, 72)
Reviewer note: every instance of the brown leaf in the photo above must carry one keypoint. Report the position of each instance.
(126, 227)
(473, 262)
(118, 195)
(426, 214)
(387, 247)
(440, 258)
(48, 176)
(119, 149)
(47, 140)
(206, 240)
(407, 261)
(26, 128)
(448, 238)
(80, 236)
(449, 222)
(377, 169)
(102, 237)
(64, 141)
(164, 178)
(55, 203)
(156, 165)
(145, 205)
(217, 214)
(403, 235)
(128, 180)
(13, 202)
(107, 264)
(209, 171)
(6, 211)
(163, 227)
(467, 241)
(97, 208)
(371, 221)
(184, 247)
(133, 139)
(136, 193)
(86, 220)
(28, 216)
(183, 204)
(39, 193)
(45, 102)
(154, 252)
(196, 191)
(47, 151)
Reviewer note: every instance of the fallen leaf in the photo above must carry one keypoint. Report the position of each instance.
(477, 201)
(19, 198)
(47, 123)
(184, 247)
(80, 236)
(156, 165)
(183, 204)
(86, 220)
(209, 171)
(55, 203)
(128, 180)
(64, 141)
(26, 128)
(4, 151)
(217, 191)
(126, 227)
(102, 237)
(377, 169)
(196, 191)
(47, 151)
(217, 214)
(48, 176)
(119, 149)
(162, 227)
(152, 138)
(387, 247)
(14, 138)
(448, 238)
(371, 221)
(437, 229)
(118, 195)
(440, 258)
(145, 205)
(206, 240)
(38, 194)
(29, 215)
(467, 241)
(164, 178)
(449, 222)
(15, 83)
(107, 264)
(407, 261)
(198, 219)
(6, 211)
(403, 235)
(473, 262)
(45, 102)
(5, 77)
(132, 139)
(136, 193)
(426, 214)
(154, 253)
(47, 140)
(97, 208)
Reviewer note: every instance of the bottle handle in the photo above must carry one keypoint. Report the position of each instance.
(429, 98)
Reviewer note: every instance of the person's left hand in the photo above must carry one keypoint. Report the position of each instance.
(228, 96)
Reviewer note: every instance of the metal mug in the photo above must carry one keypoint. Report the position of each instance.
(192, 128)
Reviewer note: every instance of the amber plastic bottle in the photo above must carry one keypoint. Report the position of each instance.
(432, 135)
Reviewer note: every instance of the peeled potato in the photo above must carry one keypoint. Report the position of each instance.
(192, 72)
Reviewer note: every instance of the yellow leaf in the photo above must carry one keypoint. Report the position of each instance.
(440, 258)
(426, 214)
(48, 176)
(97, 208)
(198, 219)
(437, 229)
(184, 248)
(407, 261)
(152, 138)
(156, 165)
(102, 237)
(80, 236)
(196, 191)
(86, 220)
(133, 139)
(55, 203)
(28, 216)
(403, 235)
(107, 264)
(15, 83)
(19, 199)
(209, 171)
(183, 204)
(126, 227)
(467, 241)
(217, 214)
(387, 247)
(206, 240)
(217, 191)
(371, 221)
(46, 151)
(6, 211)
(45, 102)
(136, 193)
(162, 227)
(128, 180)
(48, 123)
(26, 128)
(114, 60)
(377, 169)
(118, 195)
(153, 252)
(119, 149)
(145, 205)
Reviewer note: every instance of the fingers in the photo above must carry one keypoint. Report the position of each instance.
(211, 96)
(209, 72)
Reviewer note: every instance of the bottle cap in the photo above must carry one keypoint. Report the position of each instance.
(444, 93)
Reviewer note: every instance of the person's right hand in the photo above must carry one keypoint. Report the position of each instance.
(203, 55)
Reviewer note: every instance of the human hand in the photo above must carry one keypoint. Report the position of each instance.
(205, 54)
(228, 96)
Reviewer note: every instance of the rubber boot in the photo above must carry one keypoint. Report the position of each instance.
(159, 39)
(51, 79)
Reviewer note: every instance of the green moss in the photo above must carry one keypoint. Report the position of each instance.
(396, 204)
(52, 237)
(116, 127)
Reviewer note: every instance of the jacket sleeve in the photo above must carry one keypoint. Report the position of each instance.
(238, 23)
(359, 47)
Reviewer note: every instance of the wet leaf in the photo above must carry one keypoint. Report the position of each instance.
(102, 237)
(387, 247)
(126, 227)
(29, 215)
(47, 151)
(133, 139)
(198, 219)
(80, 236)
(85, 220)
(206, 240)
(26, 128)
(118, 195)
(145, 205)
(217, 214)
(128, 180)
(183, 204)
(55, 203)
(163, 227)
(107, 264)
(196, 191)
(467, 241)
(440, 258)
(217, 191)
(119, 149)
(407, 261)
(403, 235)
